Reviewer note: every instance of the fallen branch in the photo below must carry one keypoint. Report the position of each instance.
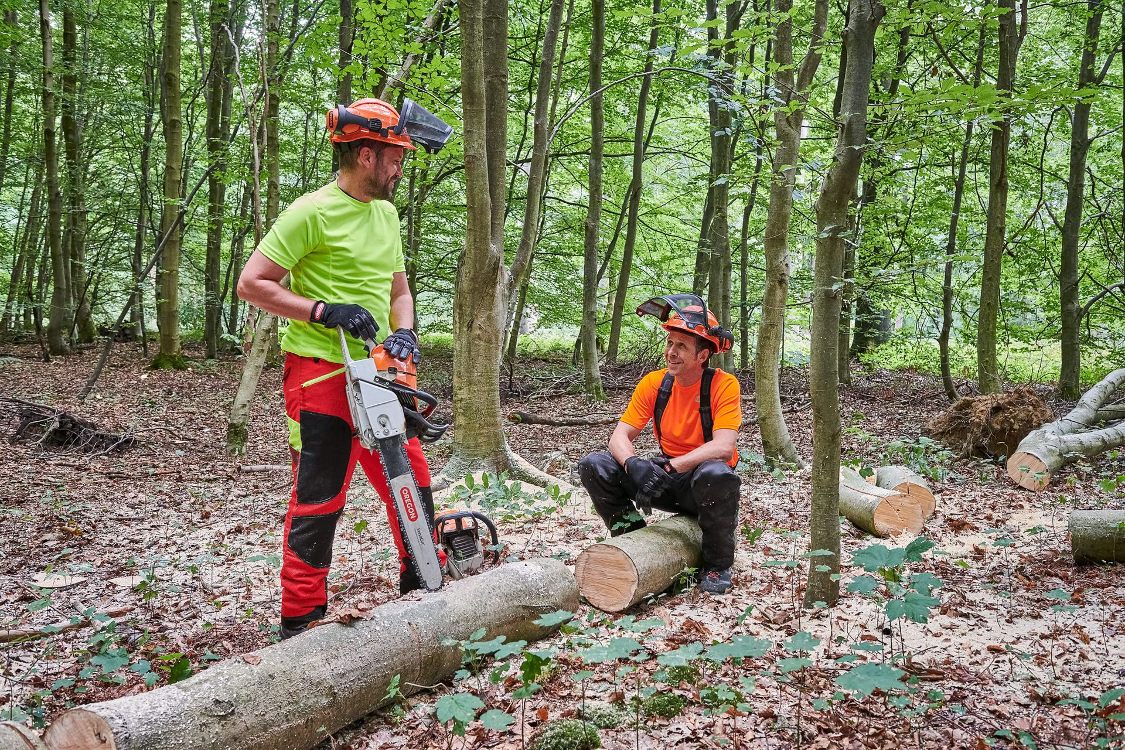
(876, 510)
(45, 426)
(523, 417)
(1047, 449)
(293, 694)
(617, 573)
(75, 623)
(1097, 536)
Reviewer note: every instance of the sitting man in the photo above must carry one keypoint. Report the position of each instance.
(696, 414)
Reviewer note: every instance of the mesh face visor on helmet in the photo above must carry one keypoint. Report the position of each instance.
(662, 307)
(423, 127)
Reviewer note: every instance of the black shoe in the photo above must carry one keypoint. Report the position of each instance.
(408, 580)
(291, 626)
(715, 581)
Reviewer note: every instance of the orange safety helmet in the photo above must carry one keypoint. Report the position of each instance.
(371, 119)
(688, 313)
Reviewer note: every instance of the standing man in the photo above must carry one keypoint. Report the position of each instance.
(342, 249)
(696, 414)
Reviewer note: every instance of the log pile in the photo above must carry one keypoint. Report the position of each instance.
(291, 695)
(617, 573)
(877, 510)
(1097, 536)
(1093, 426)
(910, 483)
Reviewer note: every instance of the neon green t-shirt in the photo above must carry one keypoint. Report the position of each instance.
(339, 250)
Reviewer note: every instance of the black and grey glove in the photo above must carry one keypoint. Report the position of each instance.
(403, 343)
(352, 318)
(651, 480)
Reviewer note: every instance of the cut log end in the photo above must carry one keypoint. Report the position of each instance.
(18, 737)
(1028, 471)
(897, 514)
(80, 730)
(608, 577)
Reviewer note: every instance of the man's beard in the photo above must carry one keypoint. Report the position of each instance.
(384, 191)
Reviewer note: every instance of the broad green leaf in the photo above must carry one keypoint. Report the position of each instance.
(551, 619)
(863, 585)
(459, 707)
(740, 647)
(792, 664)
(876, 557)
(865, 679)
(682, 656)
(913, 606)
(801, 641)
(496, 719)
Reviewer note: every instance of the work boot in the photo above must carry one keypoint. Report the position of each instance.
(715, 581)
(291, 626)
(408, 580)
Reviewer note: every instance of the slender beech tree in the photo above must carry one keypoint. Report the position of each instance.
(1080, 140)
(832, 226)
(635, 183)
(11, 20)
(219, 92)
(168, 269)
(74, 233)
(788, 117)
(1011, 36)
(951, 237)
(58, 328)
(592, 378)
(140, 228)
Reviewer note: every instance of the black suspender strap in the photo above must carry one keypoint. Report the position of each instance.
(705, 417)
(662, 397)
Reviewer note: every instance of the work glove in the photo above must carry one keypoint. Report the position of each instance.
(352, 318)
(651, 480)
(403, 344)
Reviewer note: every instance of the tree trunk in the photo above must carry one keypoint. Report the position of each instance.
(909, 483)
(168, 270)
(951, 239)
(22, 249)
(75, 233)
(272, 109)
(592, 378)
(1065, 440)
(703, 249)
(1071, 369)
(793, 91)
(832, 225)
(617, 573)
(58, 328)
(18, 737)
(876, 510)
(523, 417)
(218, 75)
(136, 308)
(1097, 536)
(293, 694)
(11, 19)
(636, 180)
(988, 373)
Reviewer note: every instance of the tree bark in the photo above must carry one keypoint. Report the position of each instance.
(1080, 140)
(832, 225)
(218, 96)
(906, 481)
(18, 737)
(168, 270)
(592, 377)
(11, 19)
(876, 510)
(636, 180)
(617, 573)
(793, 91)
(523, 417)
(273, 75)
(75, 232)
(293, 694)
(58, 328)
(1058, 443)
(988, 373)
(1097, 536)
(22, 250)
(951, 239)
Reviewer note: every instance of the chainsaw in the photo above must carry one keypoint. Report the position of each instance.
(387, 410)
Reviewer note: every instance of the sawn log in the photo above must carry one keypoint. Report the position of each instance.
(18, 737)
(291, 695)
(907, 481)
(1047, 449)
(876, 510)
(1097, 536)
(617, 573)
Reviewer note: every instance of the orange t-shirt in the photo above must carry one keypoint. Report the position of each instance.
(680, 429)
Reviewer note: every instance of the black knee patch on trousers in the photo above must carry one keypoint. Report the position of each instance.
(310, 538)
(326, 446)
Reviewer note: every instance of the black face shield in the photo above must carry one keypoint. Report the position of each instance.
(423, 127)
(661, 307)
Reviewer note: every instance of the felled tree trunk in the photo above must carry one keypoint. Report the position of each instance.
(18, 737)
(1052, 446)
(523, 417)
(1097, 536)
(617, 573)
(876, 510)
(904, 480)
(291, 695)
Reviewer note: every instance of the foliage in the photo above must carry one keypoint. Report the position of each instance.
(567, 734)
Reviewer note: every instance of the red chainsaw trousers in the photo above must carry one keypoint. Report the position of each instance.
(324, 452)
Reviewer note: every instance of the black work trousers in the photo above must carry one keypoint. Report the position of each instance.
(709, 492)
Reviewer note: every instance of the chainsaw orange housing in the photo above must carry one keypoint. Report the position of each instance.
(404, 370)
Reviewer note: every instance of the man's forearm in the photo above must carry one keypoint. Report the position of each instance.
(402, 312)
(712, 451)
(274, 298)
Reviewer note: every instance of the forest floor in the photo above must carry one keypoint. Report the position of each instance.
(173, 551)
